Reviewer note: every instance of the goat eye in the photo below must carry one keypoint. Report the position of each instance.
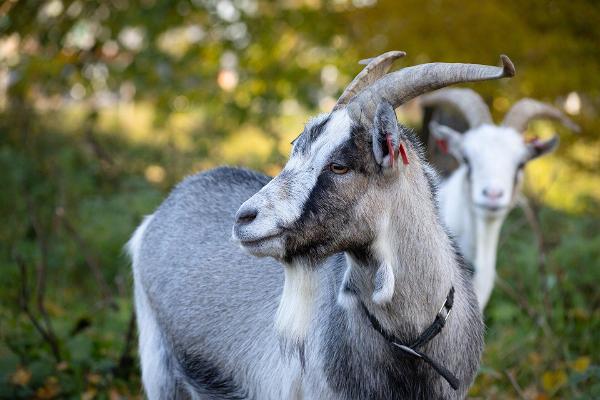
(520, 166)
(338, 168)
(466, 161)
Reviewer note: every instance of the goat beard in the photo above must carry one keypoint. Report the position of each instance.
(296, 308)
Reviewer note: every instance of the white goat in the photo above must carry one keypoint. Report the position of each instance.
(476, 198)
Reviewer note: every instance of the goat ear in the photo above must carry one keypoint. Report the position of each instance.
(385, 128)
(537, 147)
(451, 138)
(384, 284)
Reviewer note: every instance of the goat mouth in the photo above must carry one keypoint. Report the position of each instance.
(266, 246)
(254, 242)
(491, 208)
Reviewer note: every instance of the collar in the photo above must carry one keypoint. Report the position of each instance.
(412, 349)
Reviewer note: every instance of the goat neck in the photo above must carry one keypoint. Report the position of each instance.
(487, 234)
(411, 248)
(453, 193)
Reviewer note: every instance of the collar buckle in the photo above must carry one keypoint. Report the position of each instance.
(447, 308)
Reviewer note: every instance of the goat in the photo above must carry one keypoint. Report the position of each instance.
(476, 198)
(354, 265)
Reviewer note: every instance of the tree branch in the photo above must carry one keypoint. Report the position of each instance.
(515, 384)
(24, 295)
(41, 270)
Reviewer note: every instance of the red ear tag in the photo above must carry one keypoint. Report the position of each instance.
(443, 145)
(390, 146)
(403, 154)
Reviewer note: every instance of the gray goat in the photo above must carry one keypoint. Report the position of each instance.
(355, 265)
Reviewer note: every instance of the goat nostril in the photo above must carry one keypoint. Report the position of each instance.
(493, 193)
(246, 216)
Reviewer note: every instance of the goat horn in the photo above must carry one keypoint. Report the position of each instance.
(465, 101)
(526, 110)
(375, 69)
(400, 86)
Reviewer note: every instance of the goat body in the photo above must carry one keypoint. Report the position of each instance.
(205, 311)
(342, 229)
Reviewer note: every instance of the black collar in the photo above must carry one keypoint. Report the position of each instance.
(411, 349)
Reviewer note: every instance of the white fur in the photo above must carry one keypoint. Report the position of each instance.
(384, 274)
(494, 154)
(486, 248)
(134, 244)
(296, 307)
(384, 248)
(151, 348)
(336, 133)
(454, 201)
(345, 299)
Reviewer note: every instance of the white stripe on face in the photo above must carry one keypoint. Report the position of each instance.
(281, 201)
(306, 166)
(336, 132)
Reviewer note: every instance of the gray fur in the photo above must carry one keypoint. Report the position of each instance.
(214, 304)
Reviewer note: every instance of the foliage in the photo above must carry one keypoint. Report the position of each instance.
(105, 105)
(544, 314)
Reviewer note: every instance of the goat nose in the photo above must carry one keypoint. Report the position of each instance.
(493, 193)
(246, 215)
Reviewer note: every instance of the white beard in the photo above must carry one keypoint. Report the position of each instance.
(296, 307)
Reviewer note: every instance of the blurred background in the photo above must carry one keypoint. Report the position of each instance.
(105, 105)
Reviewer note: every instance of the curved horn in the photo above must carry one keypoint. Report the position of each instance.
(526, 110)
(398, 87)
(465, 101)
(375, 69)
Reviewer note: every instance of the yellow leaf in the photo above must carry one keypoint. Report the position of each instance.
(89, 394)
(155, 174)
(581, 364)
(50, 389)
(54, 309)
(552, 380)
(535, 358)
(20, 377)
(62, 366)
(581, 314)
(115, 395)
(94, 379)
